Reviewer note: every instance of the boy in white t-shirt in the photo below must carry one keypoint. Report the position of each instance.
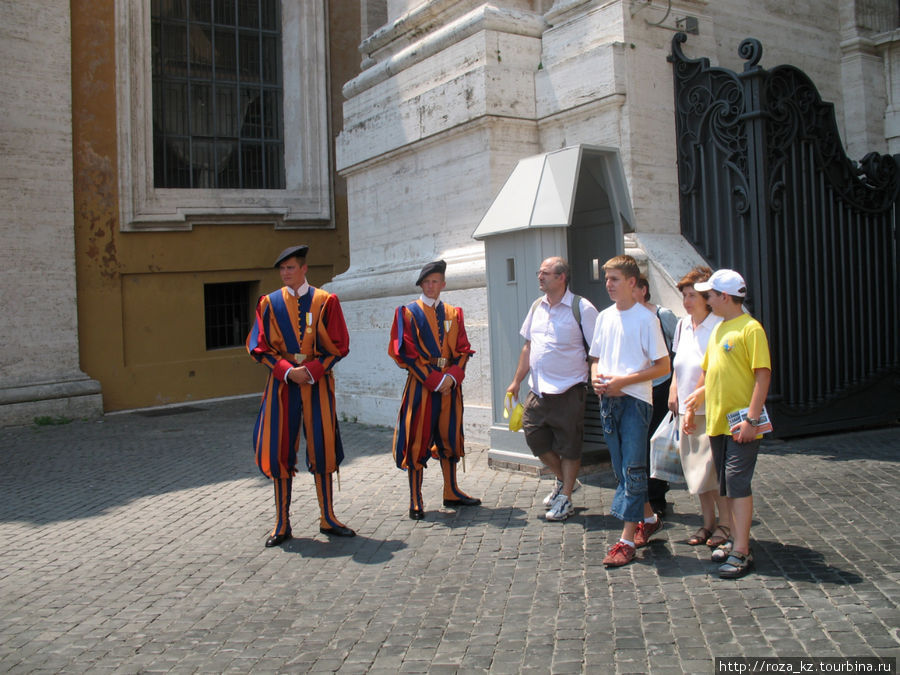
(627, 352)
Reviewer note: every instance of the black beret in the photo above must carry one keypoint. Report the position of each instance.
(290, 252)
(437, 266)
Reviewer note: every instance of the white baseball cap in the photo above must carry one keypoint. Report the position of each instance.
(724, 281)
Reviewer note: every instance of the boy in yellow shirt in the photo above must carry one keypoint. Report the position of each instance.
(737, 370)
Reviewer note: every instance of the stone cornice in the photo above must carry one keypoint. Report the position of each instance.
(485, 17)
(465, 269)
(69, 385)
(859, 45)
(567, 9)
(442, 137)
(563, 7)
(888, 38)
(410, 21)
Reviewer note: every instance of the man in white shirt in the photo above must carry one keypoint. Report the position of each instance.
(627, 352)
(556, 333)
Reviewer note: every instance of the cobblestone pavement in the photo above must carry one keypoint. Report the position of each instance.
(135, 544)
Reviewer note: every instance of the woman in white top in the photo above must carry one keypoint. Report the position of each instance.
(691, 337)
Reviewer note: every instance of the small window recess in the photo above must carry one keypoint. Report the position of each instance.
(228, 308)
(510, 270)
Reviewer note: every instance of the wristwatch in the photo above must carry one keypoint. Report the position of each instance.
(754, 421)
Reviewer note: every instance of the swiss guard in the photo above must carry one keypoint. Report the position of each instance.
(299, 334)
(428, 340)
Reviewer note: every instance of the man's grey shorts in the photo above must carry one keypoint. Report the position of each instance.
(735, 463)
(555, 422)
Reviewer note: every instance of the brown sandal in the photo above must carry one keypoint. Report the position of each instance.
(717, 540)
(699, 537)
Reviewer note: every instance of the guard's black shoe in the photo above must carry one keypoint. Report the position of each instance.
(277, 539)
(417, 514)
(462, 501)
(337, 531)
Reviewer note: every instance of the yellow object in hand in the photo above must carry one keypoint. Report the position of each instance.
(513, 413)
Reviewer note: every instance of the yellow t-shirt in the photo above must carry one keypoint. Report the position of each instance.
(736, 348)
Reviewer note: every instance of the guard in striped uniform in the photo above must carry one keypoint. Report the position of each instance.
(299, 334)
(428, 340)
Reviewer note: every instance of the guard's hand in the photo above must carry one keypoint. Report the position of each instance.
(446, 385)
(299, 375)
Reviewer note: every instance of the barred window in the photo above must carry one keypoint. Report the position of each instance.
(217, 94)
(228, 309)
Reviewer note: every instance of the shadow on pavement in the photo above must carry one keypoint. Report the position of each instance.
(361, 549)
(602, 522)
(468, 516)
(798, 563)
(873, 444)
(85, 468)
(772, 559)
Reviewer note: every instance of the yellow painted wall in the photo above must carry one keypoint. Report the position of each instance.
(140, 294)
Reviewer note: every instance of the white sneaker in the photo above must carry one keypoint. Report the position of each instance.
(560, 509)
(557, 488)
(548, 500)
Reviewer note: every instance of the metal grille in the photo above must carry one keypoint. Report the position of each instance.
(217, 94)
(767, 189)
(228, 313)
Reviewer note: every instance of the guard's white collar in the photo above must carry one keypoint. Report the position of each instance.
(303, 290)
(431, 302)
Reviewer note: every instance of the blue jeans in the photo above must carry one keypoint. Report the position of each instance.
(625, 423)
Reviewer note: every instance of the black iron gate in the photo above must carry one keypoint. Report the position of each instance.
(765, 188)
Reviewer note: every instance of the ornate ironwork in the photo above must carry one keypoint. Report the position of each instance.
(709, 103)
(765, 187)
(797, 113)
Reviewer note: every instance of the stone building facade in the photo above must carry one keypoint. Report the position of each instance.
(111, 280)
(416, 131)
(454, 92)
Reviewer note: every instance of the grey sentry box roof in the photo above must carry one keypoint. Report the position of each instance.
(572, 203)
(540, 192)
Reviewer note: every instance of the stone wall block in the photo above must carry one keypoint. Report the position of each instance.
(488, 73)
(40, 359)
(592, 77)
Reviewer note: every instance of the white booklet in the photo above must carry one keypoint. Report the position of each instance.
(736, 417)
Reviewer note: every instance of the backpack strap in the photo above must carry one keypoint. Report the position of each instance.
(668, 340)
(576, 312)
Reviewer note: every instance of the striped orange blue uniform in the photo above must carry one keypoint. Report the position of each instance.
(429, 424)
(289, 332)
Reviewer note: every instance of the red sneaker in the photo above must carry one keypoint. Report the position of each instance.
(620, 554)
(645, 530)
